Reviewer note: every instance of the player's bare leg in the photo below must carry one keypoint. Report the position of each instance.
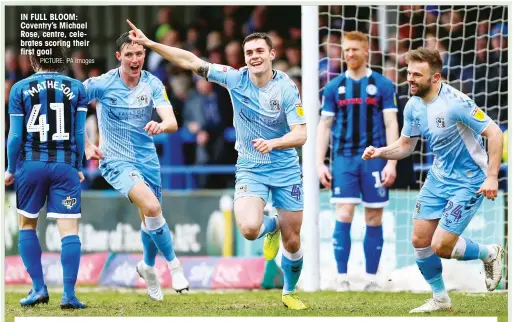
(30, 252)
(449, 245)
(70, 259)
(342, 243)
(148, 204)
(430, 266)
(249, 215)
(372, 246)
(292, 258)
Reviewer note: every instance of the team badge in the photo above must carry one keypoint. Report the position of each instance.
(134, 175)
(371, 89)
(382, 191)
(299, 109)
(143, 100)
(69, 202)
(275, 105)
(478, 114)
(243, 188)
(417, 208)
(440, 122)
(342, 90)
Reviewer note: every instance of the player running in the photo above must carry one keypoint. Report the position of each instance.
(461, 175)
(47, 113)
(358, 110)
(269, 123)
(126, 97)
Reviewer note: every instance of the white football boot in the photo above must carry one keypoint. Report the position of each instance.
(493, 268)
(434, 304)
(147, 273)
(178, 280)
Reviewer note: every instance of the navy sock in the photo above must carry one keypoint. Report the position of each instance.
(372, 247)
(70, 260)
(30, 252)
(342, 245)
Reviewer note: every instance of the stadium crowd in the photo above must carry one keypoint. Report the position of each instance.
(472, 39)
(203, 109)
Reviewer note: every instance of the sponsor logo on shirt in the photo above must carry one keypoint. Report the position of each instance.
(299, 109)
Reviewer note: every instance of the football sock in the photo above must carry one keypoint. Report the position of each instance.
(430, 266)
(70, 260)
(269, 225)
(30, 252)
(372, 247)
(342, 245)
(161, 235)
(466, 249)
(150, 250)
(291, 265)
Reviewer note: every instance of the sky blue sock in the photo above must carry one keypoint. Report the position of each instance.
(342, 245)
(372, 247)
(431, 269)
(30, 252)
(162, 239)
(150, 250)
(269, 224)
(291, 272)
(70, 260)
(474, 250)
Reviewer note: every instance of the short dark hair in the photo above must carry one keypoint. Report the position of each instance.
(259, 35)
(56, 61)
(430, 56)
(122, 40)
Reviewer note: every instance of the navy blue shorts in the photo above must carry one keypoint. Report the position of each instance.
(57, 184)
(356, 180)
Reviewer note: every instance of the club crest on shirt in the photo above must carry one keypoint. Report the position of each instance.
(143, 100)
(440, 122)
(275, 105)
(371, 89)
(342, 90)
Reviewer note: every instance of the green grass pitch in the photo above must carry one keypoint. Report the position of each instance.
(124, 302)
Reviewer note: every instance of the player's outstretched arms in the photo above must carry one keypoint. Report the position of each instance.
(92, 152)
(295, 138)
(495, 141)
(168, 124)
(323, 138)
(398, 150)
(181, 58)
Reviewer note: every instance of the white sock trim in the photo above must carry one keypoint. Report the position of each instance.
(425, 252)
(293, 257)
(262, 228)
(174, 263)
(156, 222)
(143, 228)
(459, 249)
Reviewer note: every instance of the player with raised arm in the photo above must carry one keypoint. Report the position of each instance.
(461, 175)
(269, 123)
(358, 109)
(126, 97)
(47, 113)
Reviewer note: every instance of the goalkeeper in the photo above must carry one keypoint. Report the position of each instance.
(462, 173)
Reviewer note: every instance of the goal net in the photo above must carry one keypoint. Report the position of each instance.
(472, 41)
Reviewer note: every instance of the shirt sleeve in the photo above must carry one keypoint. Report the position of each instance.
(329, 103)
(82, 98)
(159, 94)
(389, 98)
(15, 101)
(293, 106)
(14, 142)
(223, 75)
(410, 126)
(92, 88)
(471, 115)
